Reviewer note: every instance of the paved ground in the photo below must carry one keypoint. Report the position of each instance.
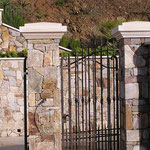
(11, 143)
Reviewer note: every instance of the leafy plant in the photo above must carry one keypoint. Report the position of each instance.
(106, 27)
(74, 44)
(23, 53)
(4, 4)
(22, 4)
(65, 41)
(11, 54)
(12, 15)
(60, 2)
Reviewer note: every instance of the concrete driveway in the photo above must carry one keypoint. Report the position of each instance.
(11, 143)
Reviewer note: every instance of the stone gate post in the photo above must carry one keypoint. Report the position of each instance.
(44, 107)
(134, 84)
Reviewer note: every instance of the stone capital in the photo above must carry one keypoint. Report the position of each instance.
(43, 30)
(135, 29)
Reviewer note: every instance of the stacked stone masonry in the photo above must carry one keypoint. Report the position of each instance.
(11, 97)
(11, 40)
(44, 83)
(135, 94)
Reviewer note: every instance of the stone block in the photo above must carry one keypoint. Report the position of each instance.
(5, 44)
(48, 94)
(18, 44)
(4, 89)
(14, 33)
(9, 73)
(12, 48)
(135, 41)
(32, 99)
(1, 74)
(12, 81)
(45, 146)
(129, 57)
(133, 135)
(48, 59)
(132, 91)
(50, 74)
(51, 85)
(38, 58)
(14, 64)
(49, 102)
(30, 46)
(19, 75)
(5, 35)
(3, 28)
(40, 70)
(20, 102)
(40, 47)
(35, 81)
(32, 127)
(129, 118)
(17, 116)
(136, 122)
(11, 97)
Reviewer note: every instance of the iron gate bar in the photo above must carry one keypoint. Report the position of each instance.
(86, 100)
(62, 101)
(117, 98)
(70, 103)
(89, 100)
(114, 98)
(108, 100)
(76, 96)
(25, 105)
(82, 100)
(78, 100)
(101, 67)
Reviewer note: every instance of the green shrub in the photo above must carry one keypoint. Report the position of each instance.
(11, 54)
(65, 41)
(65, 54)
(74, 44)
(23, 53)
(12, 15)
(106, 27)
(60, 2)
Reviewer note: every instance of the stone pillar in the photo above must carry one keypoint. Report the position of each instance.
(44, 106)
(1, 10)
(134, 84)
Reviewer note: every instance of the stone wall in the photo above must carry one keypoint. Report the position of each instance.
(104, 79)
(135, 97)
(11, 97)
(11, 39)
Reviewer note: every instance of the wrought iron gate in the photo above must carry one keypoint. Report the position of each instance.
(89, 101)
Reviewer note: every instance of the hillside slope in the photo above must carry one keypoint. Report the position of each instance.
(83, 16)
